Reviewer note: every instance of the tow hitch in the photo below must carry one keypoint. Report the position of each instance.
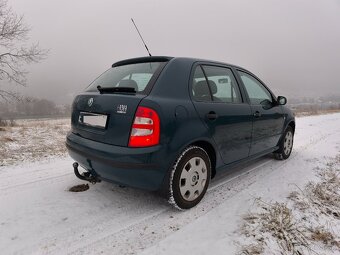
(86, 176)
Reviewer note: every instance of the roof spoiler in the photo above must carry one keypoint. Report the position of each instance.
(142, 60)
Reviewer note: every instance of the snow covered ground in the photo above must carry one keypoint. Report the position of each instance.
(33, 140)
(38, 215)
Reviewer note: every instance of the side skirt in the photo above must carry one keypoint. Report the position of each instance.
(242, 161)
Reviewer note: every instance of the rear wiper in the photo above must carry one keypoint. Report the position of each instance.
(116, 90)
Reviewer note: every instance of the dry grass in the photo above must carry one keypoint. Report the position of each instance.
(278, 221)
(326, 199)
(31, 140)
(252, 249)
(6, 139)
(323, 195)
(7, 123)
(303, 224)
(324, 236)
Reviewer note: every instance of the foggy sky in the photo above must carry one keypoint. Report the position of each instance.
(292, 45)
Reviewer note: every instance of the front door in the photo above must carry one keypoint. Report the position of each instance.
(267, 115)
(219, 103)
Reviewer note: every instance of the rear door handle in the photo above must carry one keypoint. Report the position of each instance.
(257, 114)
(211, 115)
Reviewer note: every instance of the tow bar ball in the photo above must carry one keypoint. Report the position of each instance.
(86, 176)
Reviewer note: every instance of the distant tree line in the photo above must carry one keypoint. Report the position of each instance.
(32, 107)
(314, 108)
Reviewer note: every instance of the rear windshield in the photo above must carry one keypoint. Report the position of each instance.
(138, 76)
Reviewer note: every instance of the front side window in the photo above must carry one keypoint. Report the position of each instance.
(258, 94)
(135, 76)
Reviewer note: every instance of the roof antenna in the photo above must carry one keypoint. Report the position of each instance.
(146, 47)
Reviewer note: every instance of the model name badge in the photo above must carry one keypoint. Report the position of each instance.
(122, 108)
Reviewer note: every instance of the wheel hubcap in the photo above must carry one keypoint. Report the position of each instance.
(193, 178)
(288, 143)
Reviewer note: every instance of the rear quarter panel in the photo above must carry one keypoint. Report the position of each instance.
(180, 124)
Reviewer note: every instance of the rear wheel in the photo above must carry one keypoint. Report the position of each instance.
(190, 178)
(285, 145)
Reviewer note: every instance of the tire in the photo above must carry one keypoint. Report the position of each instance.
(285, 145)
(189, 178)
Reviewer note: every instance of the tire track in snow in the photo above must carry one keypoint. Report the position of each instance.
(19, 177)
(138, 234)
(9, 188)
(103, 222)
(136, 237)
(145, 233)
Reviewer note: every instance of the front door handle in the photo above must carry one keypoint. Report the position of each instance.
(257, 114)
(211, 115)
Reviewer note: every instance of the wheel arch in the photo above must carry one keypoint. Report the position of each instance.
(292, 125)
(204, 144)
(209, 148)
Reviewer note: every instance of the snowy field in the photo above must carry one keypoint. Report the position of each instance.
(38, 215)
(32, 140)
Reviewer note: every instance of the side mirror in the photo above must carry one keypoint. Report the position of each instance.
(281, 100)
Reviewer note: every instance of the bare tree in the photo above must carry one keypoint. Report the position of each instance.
(14, 53)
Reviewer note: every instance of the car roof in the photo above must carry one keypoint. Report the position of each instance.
(166, 59)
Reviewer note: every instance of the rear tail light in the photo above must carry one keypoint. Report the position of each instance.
(145, 129)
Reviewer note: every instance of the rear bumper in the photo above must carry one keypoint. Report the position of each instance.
(135, 167)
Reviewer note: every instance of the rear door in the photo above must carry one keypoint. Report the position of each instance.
(107, 117)
(267, 114)
(218, 101)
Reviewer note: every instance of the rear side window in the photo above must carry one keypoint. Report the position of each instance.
(200, 87)
(222, 85)
(137, 76)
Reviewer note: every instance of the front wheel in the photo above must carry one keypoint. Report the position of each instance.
(190, 178)
(285, 145)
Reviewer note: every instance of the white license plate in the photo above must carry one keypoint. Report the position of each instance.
(93, 119)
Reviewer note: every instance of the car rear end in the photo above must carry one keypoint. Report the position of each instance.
(113, 136)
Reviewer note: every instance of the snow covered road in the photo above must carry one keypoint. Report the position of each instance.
(38, 215)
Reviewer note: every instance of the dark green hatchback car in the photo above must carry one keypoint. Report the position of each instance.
(169, 124)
